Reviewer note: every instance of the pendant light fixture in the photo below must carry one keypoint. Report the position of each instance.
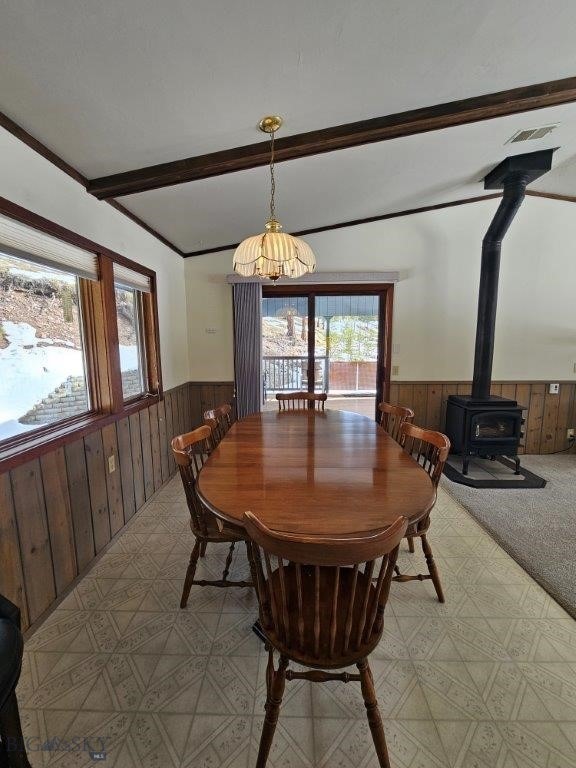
(273, 253)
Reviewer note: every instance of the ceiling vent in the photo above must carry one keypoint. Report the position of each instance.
(532, 133)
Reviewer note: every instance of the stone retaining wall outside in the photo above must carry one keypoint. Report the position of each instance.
(70, 399)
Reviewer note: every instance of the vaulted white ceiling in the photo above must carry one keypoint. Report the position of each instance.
(407, 173)
(120, 85)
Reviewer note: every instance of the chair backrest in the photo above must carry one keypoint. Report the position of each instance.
(299, 401)
(322, 599)
(430, 449)
(219, 420)
(393, 416)
(190, 452)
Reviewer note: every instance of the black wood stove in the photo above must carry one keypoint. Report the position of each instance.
(486, 428)
(481, 424)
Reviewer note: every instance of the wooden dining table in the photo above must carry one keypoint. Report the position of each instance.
(325, 473)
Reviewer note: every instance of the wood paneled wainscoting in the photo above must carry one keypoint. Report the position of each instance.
(59, 511)
(547, 417)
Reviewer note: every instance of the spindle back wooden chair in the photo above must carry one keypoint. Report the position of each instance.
(219, 420)
(392, 417)
(430, 449)
(321, 604)
(300, 401)
(190, 452)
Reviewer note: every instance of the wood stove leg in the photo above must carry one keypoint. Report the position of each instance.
(517, 463)
(465, 462)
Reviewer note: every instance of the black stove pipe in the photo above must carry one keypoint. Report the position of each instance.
(512, 175)
(514, 193)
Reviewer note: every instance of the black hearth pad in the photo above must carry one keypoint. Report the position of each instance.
(529, 479)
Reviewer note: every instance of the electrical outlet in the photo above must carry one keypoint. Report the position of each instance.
(111, 464)
(395, 370)
(553, 389)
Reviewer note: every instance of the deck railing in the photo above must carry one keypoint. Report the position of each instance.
(285, 373)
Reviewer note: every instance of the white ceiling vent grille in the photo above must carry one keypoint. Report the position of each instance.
(528, 134)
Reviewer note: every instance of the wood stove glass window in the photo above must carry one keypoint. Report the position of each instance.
(490, 426)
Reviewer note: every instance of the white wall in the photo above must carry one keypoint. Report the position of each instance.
(29, 180)
(438, 254)
(435, 303)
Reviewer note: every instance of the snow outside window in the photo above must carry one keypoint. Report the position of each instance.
(130, 337)
(42, 361)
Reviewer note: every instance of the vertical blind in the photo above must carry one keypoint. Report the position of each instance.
(247, 347)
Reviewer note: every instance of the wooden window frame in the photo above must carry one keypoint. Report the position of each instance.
(101, 349)
(385, 291)
(146, 314)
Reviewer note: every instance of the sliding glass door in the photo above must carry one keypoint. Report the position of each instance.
(323, 339)
(284, 345)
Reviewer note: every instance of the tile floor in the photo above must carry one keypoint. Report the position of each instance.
(487, 680)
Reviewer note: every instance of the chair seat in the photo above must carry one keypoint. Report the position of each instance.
(218, 530)
(11, 649)
(304, 651)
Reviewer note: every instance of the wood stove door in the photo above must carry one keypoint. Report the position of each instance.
(495, 427)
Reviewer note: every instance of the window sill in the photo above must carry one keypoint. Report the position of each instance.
(30, 446)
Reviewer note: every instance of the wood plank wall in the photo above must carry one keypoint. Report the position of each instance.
(547, 417)
(59, 511)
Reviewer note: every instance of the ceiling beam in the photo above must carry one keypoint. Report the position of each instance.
(356, 222)
(26, 138)
(551, 195)
(339, 137)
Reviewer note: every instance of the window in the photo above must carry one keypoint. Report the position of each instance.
(42, 361)
(78, 333)
(130, 288)
(128, 313)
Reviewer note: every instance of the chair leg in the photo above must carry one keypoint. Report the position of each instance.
(228, 562)
(373, 713)
(432, 569)
(11, 732)
(190, 573)
(411, 544)
(276, 680)
(203, 546)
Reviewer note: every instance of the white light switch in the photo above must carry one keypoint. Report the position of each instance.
(554, 389)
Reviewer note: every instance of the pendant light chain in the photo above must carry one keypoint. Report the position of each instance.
(272, 179)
